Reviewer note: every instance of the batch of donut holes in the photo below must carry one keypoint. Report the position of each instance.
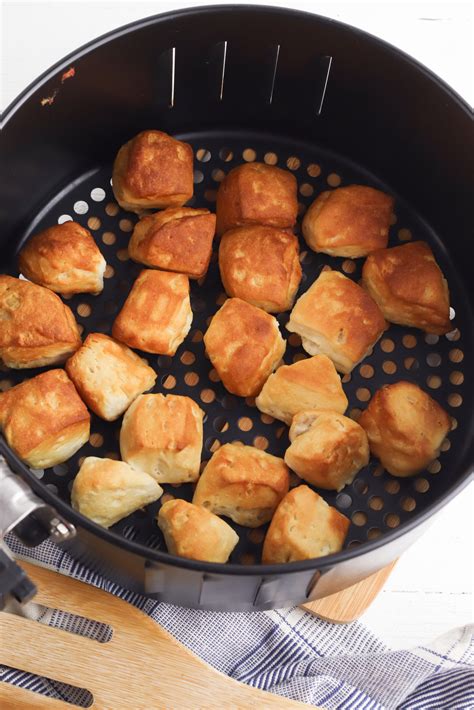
(46, 419)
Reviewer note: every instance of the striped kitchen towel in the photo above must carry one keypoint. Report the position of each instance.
(285, 651)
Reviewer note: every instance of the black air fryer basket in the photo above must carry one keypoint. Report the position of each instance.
(333, 105)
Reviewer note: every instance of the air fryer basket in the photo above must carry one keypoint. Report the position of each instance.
(334, 106)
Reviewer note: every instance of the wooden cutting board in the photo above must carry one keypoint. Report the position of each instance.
(142, 667)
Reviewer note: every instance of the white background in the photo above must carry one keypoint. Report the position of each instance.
(430, 590)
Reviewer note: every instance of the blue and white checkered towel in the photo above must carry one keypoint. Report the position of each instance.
(288, 651)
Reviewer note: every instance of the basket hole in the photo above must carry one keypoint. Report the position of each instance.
(376, 503)
(431, 338)
(434, 467)
(301, 211)
(203, 155)
(197, 336)
(250, 401)
(109, 238)
(220, 424)
(363, 394)
(81, 207)
(229, 402)
(168, 382)
(392, 487)
(61, 469)
(306, 189)
(6, 385)
(64, 218)
(373, 533)
(434, 382)
(94, 223)
(346, 378)
(112, 209)
(389, 367)
(126, 225)
(392, 520)
(348, 266)
(313, 170)
(421, 485)
(256, 536)
(112, 455)
(408, 504)
(84, 310)
(293, 163)
(96, 440)
(187, 358)
(191, 379)
(366, 371)
(355, 413)
(98, 194)
(198, 177)
(378, 471)
(455, 399)
(411, 363)
(360, 487)
(446, 445)
(456, 355)
(266, 419)
(298, 357)
(334, 180)
(247, 558)
(245, 424)
(226, 155)
(456, 377)
(404, 234)
(454, 335)
(344, 501)
(261, 442)
(221, 299)
(387, 345)
(270, 158)
(210, 195)
(207, 395)
(294, 340)
(409, 341)
(122, 255)
(249, 155)
(212, 444)
(359, 518)
(214, 375)
(433, 359)
(217, 175)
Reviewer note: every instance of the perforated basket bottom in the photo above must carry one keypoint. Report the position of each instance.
(376, 501)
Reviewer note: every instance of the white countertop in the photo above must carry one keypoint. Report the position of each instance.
(431, 587)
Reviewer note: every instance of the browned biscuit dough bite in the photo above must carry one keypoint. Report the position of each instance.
(337, 318)
(44, 420)
(255, 193)
(245, 345)
(153, 170)
(327, 449)
(405, 428)
(177, 239)
(106, 490)
(157, 315)
(243, 483)
(350, 221)
(162, 435)
(261, 265)
(304, 527)
(195, 533)
(65, 259)
(37, 328)
(108, 375)
(306, 384)
(409, 287)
